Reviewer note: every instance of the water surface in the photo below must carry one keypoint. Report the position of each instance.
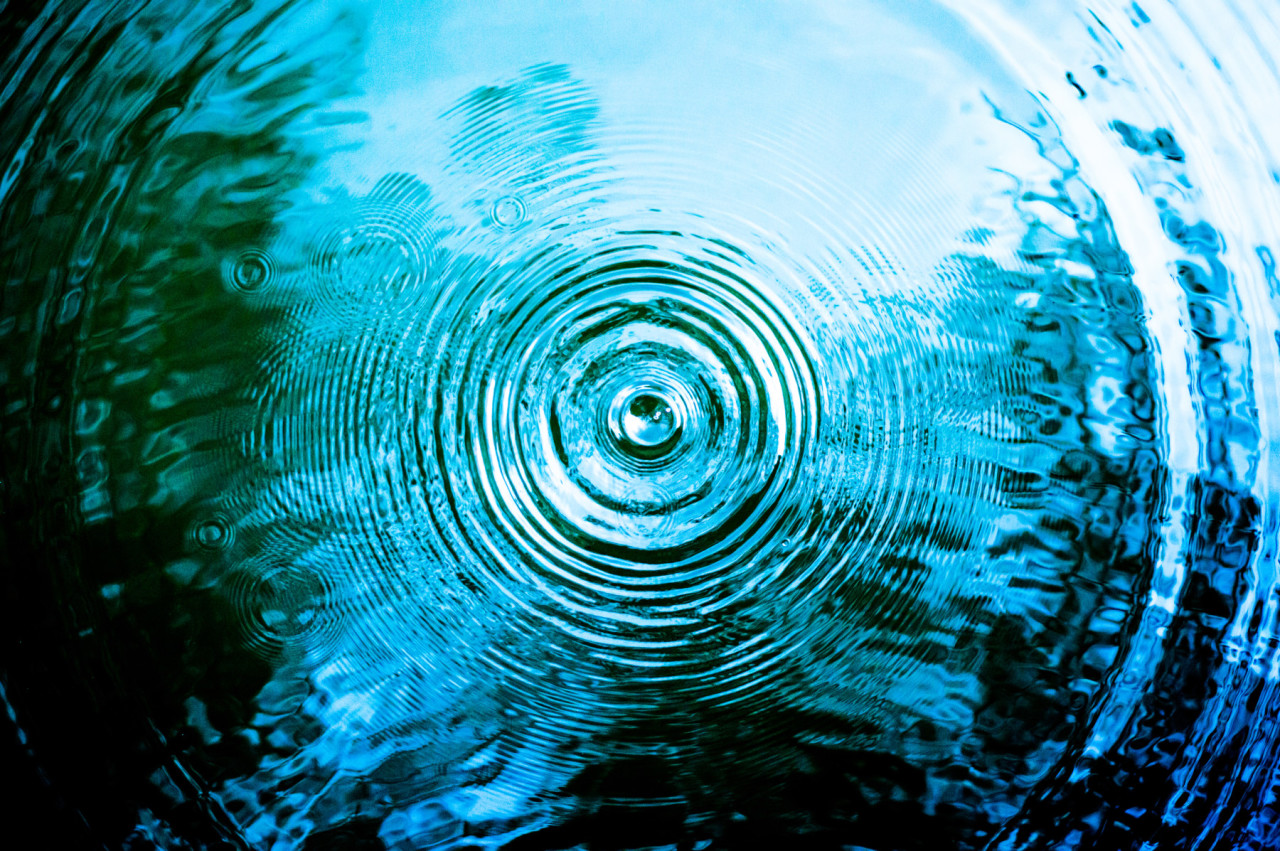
(620, 426)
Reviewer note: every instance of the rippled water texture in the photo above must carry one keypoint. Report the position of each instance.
(820, 425)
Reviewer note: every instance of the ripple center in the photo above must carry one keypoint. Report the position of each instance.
(647, 424)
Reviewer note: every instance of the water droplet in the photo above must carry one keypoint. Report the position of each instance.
(650, 424)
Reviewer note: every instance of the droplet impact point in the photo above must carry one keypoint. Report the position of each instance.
(251, 272)
(214, 533)
(650, 425)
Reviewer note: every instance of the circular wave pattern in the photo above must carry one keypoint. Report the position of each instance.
(281, 604)
(830, 426)
(381, 247)
(252, 271)
(214, 533)
(610, 510)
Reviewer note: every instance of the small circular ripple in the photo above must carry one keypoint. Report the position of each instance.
(381, 250)
(252, 271)
(283, 605)
(213, 533)
(507, 213)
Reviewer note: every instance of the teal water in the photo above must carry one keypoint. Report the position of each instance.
(630, 426)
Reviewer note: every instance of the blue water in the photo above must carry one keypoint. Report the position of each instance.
(823, 425)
